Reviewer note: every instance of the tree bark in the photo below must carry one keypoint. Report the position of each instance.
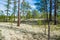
(46, 10)
(18, 24)
(50, 15)
(48, 30)
(14, 9)
(55, 14)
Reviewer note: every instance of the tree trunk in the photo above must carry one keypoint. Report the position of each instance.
(14, 9)
(45, 7)
(18, 24)
(7, 16)
(55, 13)
(50, 15)
(23, 8)
(48, 30)
(46, 10)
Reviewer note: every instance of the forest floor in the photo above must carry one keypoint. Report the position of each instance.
(27, 32)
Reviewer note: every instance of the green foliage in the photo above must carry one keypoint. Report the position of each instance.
(41, 5)
(39, 22)
(35, 14)
(8, 6)
(58, 19)
(8, 2)
(58, 16)
(11, 18)
(58, 25)
(24, 7)
(14, 8)
(43, 15)
(22, 17)
(29, 15)
(2, 17)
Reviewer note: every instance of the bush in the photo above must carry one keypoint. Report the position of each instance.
(2, 17)
(29, 15)
(58, 25)
(39, 22)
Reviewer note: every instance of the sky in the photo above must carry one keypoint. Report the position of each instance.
(3, 5)
(31, 2)
(2, 2)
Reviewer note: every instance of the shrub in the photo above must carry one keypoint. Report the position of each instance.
(39, 22)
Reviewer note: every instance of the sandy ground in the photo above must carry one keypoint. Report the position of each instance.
(13, 32)
(24, 32)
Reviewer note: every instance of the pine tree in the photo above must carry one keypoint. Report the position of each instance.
(50, 15)
(55, 13)
(35, 14)
(40, 5)
(18, 24)
(46, 11)
(14, 8)
(8, 8)
(24, 7)
(29, 15)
